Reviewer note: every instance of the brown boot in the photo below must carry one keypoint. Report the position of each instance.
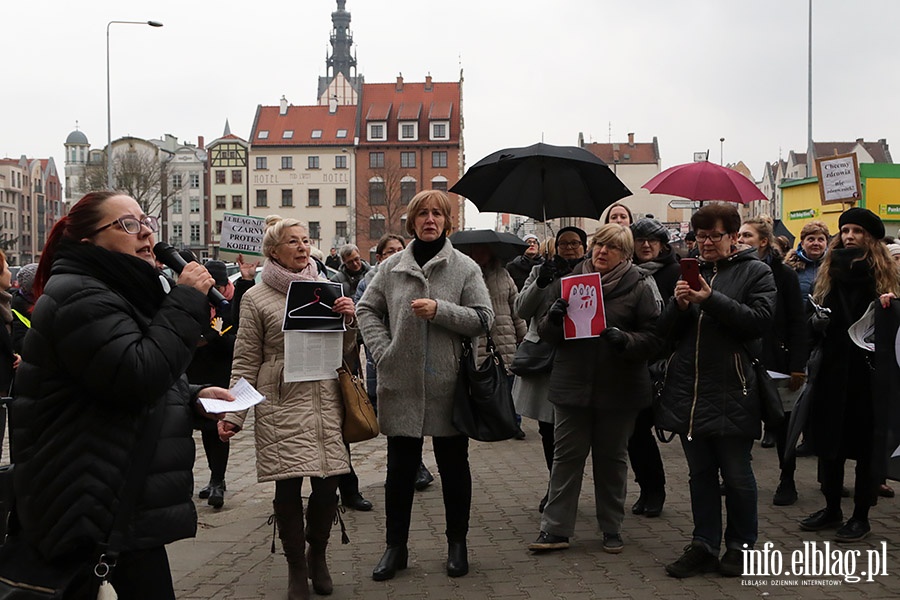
(319, 517)
(289, 516)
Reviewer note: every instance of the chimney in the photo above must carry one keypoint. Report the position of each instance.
(631, 140)
(200, 142)
(860, 141)
(400, 82)
(332, 105)
(284, 106)
(428, 86)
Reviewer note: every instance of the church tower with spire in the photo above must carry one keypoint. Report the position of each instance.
(341, 84)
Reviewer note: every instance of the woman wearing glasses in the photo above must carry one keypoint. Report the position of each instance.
(106, 353)
(298, 427)
(710, 395)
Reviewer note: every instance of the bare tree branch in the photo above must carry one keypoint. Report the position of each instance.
(385, 200)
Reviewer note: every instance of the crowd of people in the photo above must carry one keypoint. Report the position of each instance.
(99, 343)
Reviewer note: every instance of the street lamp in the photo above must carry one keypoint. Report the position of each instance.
(109, 169)
(722, 152)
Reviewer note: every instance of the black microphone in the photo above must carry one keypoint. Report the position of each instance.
(169, 256)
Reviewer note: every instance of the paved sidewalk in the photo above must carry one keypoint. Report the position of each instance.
(230, 558)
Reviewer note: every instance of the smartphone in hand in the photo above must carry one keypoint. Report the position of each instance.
(690, 272)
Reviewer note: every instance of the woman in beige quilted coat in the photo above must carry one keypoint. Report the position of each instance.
(298, 427)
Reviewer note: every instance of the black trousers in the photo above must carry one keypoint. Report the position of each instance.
(216, 450)
(865, 494)
(646, 461)
(403, 457)
(349, 482)
(787, 466)
(323, 489)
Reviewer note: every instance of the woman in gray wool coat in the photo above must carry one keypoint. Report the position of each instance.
(412, 317)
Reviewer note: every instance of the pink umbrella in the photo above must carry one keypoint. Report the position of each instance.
(705, 181)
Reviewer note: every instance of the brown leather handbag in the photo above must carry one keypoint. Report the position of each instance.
(360, 422)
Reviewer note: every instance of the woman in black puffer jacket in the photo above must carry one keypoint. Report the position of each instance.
(710, 395)
(107, 346)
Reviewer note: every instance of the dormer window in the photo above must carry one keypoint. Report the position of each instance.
(263, 135)
(409, 131)
(316, 134)
(440, 130)
(288, 134)
(378, 132)
(341, 133)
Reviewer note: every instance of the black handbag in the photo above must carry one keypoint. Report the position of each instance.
(483, 406)
(771, 407)
(533, 358)
(26, 575)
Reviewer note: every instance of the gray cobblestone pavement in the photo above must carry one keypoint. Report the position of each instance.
(230, 557)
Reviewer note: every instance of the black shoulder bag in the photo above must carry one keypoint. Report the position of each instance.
(482, 405)
(771, 407)
(25, 575)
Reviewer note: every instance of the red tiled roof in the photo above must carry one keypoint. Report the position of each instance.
(440, 98)
(638, 153)
(379, 111)
(303, 120)
(409, 111)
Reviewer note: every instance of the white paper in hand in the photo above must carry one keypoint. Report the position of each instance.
(245, 396)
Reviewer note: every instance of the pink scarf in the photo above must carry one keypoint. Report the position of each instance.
(279, 278)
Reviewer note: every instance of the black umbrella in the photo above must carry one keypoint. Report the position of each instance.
(505, 246)
(542, 182)
(780, 229)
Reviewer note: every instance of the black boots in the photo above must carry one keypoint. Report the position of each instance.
(289, 517)
(457, 559)
(319, 517)
(394, 559)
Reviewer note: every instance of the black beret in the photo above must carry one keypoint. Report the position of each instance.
(580, 232)
(865, 218)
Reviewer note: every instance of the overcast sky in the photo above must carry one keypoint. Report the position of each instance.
(688, 72)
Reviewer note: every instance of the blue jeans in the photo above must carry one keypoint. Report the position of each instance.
(706, 457)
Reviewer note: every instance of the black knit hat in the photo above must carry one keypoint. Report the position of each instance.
(580, 232)
(865, 218)
(650, 229)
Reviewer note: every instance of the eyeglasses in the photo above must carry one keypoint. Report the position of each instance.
(568, 244)
(294, 243)
(132, 225)
(642, 241)
(609, 247)
(532, 242)
(713, 237)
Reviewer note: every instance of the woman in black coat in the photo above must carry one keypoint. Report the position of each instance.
(785, 343)
(842, 425)
(107, 347)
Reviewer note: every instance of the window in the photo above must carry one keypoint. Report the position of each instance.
(312, 162)
(376, 227)
(195, 233)
(409, 131)
(340, 161)
(263, 135)
(176, 234)
(439, 183)
(237, 202)
(316, 134)
(341, 133)
(407, 189)
(220, 175)
(262, 198)
(440, 130)
(340, 229)
(237, 176)
(176, 206)
(219, 227)
(176, 181)
(439, 159)
(195, 206)
(287, 162)
(376, 160)
(314, 230)
(313, 197)
(340, 197)
(408, 160)
(195, 181)
(220, 202)
(376, 192)
(376, 132)
(261, 162)
(287, 134)
(287, 197)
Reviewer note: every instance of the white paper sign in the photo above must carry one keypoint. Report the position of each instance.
(312, 356)
(242, 234)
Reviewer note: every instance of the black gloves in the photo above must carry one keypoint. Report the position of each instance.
(557, 311)
(616, 338)
(547, 273)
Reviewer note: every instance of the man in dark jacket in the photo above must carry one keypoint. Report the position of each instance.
(710, 396)
(353, 269)
(333, 261)
(520, 267)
